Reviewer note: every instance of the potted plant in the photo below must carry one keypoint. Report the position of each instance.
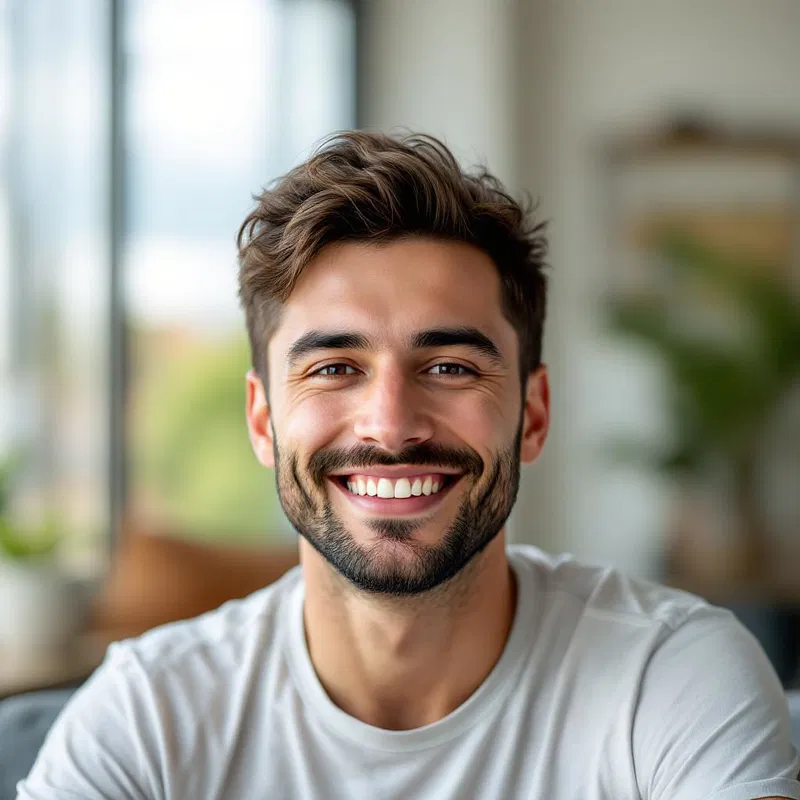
(42, 608)
(727, 332)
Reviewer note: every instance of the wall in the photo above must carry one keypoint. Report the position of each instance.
(446, 68)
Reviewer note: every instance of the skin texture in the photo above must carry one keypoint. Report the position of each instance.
(405, 613)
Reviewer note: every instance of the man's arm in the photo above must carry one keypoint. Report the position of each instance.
(96, 749)
(712, 721)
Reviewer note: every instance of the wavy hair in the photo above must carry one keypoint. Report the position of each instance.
(377, 188)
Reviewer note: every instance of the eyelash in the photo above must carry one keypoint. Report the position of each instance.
(319, 373)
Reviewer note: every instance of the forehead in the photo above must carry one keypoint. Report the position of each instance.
(390, 291)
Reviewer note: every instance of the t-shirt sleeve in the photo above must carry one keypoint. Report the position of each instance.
(712, 721)
(98, 746)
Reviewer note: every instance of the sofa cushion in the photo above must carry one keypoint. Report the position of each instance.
(24, 722)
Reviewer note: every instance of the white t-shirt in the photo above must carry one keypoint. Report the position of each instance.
(607, 688)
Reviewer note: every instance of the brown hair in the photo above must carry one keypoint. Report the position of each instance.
(373, 187)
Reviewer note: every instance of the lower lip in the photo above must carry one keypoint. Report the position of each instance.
(396, 507)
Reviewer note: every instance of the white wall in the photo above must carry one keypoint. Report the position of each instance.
(443, 67)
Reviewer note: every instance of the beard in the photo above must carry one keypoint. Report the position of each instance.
(395, 564)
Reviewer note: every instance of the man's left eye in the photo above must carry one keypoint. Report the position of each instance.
(450, 369)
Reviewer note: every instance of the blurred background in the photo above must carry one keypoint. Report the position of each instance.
(663, 142)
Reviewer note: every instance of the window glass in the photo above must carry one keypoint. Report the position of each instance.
(219, 99)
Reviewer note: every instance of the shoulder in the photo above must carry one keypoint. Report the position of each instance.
(604, 594)
(221, 635)
(713, 716)
(697, 706)
(161, 685)
(680, 638)
(179, 671)
(598, 629)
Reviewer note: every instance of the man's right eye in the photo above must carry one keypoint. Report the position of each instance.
(334, 371)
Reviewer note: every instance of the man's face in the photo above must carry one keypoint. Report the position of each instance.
(396, 418)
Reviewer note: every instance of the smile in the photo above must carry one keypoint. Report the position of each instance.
(406, 493)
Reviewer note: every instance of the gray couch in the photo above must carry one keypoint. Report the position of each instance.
(25, 720)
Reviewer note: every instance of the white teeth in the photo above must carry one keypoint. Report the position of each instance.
(386, 488)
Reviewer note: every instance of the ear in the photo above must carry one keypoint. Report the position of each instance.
(535, 415)
(259, 424)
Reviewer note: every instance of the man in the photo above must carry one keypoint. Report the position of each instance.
(395, 308)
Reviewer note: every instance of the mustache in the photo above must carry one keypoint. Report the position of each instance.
(333, 459)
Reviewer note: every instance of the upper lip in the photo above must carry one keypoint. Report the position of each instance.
(396, 472)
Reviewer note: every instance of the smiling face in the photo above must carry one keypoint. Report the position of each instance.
(396, 418)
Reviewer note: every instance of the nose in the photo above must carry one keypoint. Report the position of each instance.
(391, 412)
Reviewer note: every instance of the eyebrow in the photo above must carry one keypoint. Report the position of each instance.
(464, 336)
(324, 340)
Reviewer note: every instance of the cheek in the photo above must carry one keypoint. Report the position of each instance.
(480, 419)
(312, 423)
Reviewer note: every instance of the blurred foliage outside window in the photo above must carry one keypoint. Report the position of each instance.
(191, 457)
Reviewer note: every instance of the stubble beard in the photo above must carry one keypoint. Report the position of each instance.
(395, 564)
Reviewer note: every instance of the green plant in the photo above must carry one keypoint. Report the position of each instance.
(724, 387)
(27, 545)
(17, 542)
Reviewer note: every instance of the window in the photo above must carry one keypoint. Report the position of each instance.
(55, 217)
(214, 101)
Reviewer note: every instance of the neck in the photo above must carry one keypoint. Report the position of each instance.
(401, 663)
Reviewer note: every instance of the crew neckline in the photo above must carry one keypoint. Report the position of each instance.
(483, 701)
